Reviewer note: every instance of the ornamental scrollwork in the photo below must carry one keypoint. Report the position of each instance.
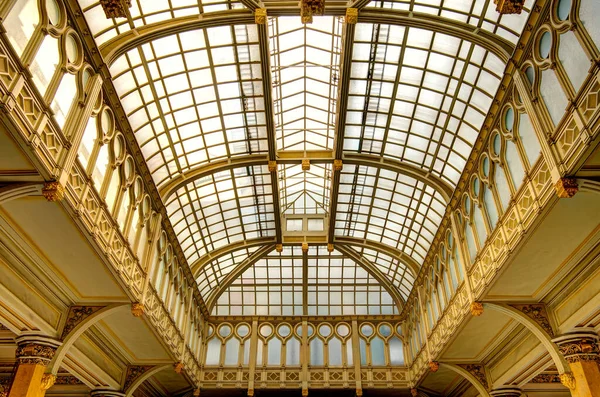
(34, 353)
(582, 349)
(134, 372)
(76, 315)
(536, 312)
(478, 371)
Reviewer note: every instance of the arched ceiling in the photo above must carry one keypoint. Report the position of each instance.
(213, 99)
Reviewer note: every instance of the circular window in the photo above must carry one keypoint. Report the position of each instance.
(119, 147)
(72, 49)
(311, 330)
(266, 330)
(563, 9)
(509, 119)
(497, 144)
(53, 10)
(399, 329)
(366, 330)
(225, 330)
(343, 330)
(243, 330)
(128, 168)
(106, 122)
(476, 186)
(530, 74)
(545, 44)
(325, 330)
(385, 330)
(284, 330)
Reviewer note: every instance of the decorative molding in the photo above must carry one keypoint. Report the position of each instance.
(579, 346)
(338, 165)
(178, 367)
(351, 19)
(260, 18)
(478, 371)
(76, 315)
(304, 247)
(476, 309)
(330, 247)
(115, 8)
(272, 166)
(3, 327)
(568, 380)
(53, 191)
(537, 312)
(34, 353)
(137, 309)
(546, 378)
(305, 164)
(48, 381)
(279, 248)
(134, 372)
(509, 6)
(68, 380)
(434, 366)
(506, 392)
(566, 187)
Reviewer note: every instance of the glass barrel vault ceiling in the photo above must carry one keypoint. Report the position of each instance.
(197, 96)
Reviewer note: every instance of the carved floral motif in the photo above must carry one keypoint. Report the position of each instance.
(53, 191)
(546, 378)
(76, 315)
(351, 19)
(260, 18)
(434, 366)
(115, 8)
(580, 349)
(137, 309)
(509, 6)
(308, 8)
(134, 372)
(34, 353)
(568, 380)
(476, 309)
(478, 371)
(566, 187)
(537, 312)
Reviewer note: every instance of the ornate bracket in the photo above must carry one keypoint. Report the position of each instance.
(476, 309)
(53, 191)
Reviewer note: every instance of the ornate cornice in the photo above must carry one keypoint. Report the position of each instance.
(580, 346)
(76, 315)
(537, 312)
(478, 371)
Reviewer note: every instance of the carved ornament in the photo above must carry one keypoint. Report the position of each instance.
(351, 16)
(48, 381)
(260, 18)
(580, 348)
(250, 392)
(476, 309)
(308, 8)
(359, 392)
(53, 191)
(34, 353)
(568, 380)
(506, 392)
(414, 392)
(566, 187)
(115, 8)
(509, 6)
(134, 372)
(76, 315)
(546, 378)
(196, 392)
(67, 380)
(478, 371)
(279, 247)
(272, 166)
(537, 312)
(304, 247)
(329, 247)
(304, 392)
(178, 367)
(434, 366)
(337, 165)
(305, 164)
(137, 309)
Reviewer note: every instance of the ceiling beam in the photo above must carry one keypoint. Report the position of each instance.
(126, 41)
(374, 271)
(316, 157)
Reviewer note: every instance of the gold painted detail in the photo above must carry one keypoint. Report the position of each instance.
(272, 166)
(115, 8)
(568, 380)
(137, 309)
(434, 366)
(304, 392)
(509, 6)
(537, 312)
(359, 392)
(76, 315)
(53, 191)
(260, 18)
(414, 392)
(308, 8)
(250, 392)
(566, 187)
(506, 392)
(351, 16)
(67, 380)
(337, 165)
(478, 371)
(546, 378)
(304, 247)
(279, 248)
(178, 367)
(197, 392)
(134, 372)
(34, 353)
(583, 348)
(305, 164)
(329, 247)
(476, 309)
(48, 381)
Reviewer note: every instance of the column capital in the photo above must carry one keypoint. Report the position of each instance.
(35, 349)
(580, 345)
(53, 191)
(506, 392)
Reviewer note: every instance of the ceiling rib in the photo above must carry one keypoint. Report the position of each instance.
(124, 42)
(316, 157)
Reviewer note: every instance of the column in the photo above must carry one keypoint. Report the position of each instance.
(506, 392)
(33, 354)
(580, 349)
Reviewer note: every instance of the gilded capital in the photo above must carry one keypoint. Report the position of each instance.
(272, 166)
(351, 16)
(260, 17)
(509, 6)
(34, 353)
(304, 247)
(566, 187)
(279, 248)
(337, 165)
(476, 309)
(137, 309)
(305, 164)
(579, 346)
(53, 191)
(308, 8)
(568, 380)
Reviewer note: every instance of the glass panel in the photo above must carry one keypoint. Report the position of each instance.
(530, 142)
(21, 23)
(545, 45)
(335, 352)
(377, 351)
(563, 9)
(396, 351)
(293, 352)
(316, 352)
(294, 225)
(232, 351)
(274, 352)
(588, 13)
(213, 352)
(45, 63)
(573, 59)
(553, 95)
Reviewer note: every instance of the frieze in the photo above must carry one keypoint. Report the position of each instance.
(76, 315)
(34, 353)
(579, 348)
(546, 378)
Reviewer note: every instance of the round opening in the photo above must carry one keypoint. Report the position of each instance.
(385, 330)
(366, 330)
(563, 9)
(225, 330)
(545, 43)
(509, 119)
(325, 330)
(284, 330)
(53, 10)
(265, 331)
(530, 74)
(343, 330)
(72, 49)
(106, 122)
(243, 330)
